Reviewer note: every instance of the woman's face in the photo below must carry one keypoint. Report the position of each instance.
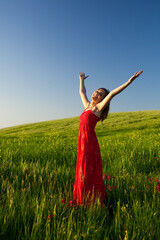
(98, 95)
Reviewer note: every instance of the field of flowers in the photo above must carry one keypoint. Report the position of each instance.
(37, 172)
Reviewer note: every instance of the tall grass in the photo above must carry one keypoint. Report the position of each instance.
(37, 171)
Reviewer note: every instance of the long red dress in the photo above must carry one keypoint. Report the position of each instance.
(88, 183)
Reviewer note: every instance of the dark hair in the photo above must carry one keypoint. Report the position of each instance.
(105, 111)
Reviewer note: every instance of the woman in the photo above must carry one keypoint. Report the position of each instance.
(89, 184)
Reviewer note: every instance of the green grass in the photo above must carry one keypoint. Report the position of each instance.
(37, 169)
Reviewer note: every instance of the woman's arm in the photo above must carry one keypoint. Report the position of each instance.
(82, 90)
(116, 91)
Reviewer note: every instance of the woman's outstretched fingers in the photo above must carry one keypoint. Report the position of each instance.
(140, 72)
(135, 76)
(86, 76)
(81, 74)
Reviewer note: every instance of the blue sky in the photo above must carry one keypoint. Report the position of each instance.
(44, 45)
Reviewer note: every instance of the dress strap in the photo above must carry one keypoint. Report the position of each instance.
(95, 108)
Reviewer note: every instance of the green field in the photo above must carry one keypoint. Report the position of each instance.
(37, 170)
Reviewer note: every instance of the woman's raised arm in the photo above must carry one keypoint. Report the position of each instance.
(116, 91)
(82, 90)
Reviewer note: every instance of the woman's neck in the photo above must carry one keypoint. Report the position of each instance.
(92, 104)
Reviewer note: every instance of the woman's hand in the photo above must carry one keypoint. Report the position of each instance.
(82, 76)
(134, 76)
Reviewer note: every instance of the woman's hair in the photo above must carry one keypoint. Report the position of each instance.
(105, 111)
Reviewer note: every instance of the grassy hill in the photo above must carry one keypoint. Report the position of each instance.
(37, 169)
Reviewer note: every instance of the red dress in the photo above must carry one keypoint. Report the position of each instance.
(88, 183)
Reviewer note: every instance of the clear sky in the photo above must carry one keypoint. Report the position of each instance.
(45, 43)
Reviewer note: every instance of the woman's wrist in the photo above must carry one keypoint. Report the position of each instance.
(81, 79)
